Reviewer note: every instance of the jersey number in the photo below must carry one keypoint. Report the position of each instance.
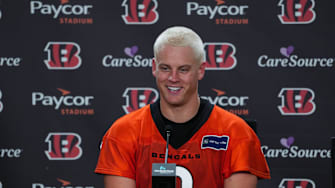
(185, 177)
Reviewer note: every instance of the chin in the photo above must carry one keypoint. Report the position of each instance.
(174, 102)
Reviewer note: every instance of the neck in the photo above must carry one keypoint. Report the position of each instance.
(181, 113)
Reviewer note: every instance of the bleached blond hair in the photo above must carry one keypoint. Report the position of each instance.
(180, 36)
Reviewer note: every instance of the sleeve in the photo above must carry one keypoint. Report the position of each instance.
(245, 154)
(117, 154)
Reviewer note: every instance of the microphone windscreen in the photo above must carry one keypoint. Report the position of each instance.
(168, 128)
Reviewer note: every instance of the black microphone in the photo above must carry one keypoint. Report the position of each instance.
(164, 174)
(168, 129)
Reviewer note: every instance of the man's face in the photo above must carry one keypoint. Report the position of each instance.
(177, 73)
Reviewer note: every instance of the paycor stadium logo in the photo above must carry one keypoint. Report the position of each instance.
(67, 104)
(62, 183)
(234, 104)
(219, 11)
(65, 11)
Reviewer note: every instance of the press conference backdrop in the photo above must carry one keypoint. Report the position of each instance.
(69, 68)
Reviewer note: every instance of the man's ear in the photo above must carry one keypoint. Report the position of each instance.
(201, 71)
(154, 67)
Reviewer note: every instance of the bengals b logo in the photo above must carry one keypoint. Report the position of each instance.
(140, 11)
(296, 182)
(220, 56)
(297, 11)
(137, 98)
(63, 146)
(296, 101)
(62, 55)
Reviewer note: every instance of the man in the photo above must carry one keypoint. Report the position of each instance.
(214, 147)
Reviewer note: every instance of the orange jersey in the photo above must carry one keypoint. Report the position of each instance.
(224, 144)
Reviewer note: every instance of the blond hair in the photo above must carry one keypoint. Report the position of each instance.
(180, 36)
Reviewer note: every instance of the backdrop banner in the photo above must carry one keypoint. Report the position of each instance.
(70, 68)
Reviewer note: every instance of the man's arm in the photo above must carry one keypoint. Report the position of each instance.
(118, 182)
(241, 180)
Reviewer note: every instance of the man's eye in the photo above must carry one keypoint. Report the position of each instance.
(184, 70)
(164, 68)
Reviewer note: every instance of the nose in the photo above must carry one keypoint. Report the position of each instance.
(173, 77)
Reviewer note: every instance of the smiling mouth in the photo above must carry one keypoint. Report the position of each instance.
(174, 89)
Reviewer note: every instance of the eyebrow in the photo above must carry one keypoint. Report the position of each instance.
(164, 64)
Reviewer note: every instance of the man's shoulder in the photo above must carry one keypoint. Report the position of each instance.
(229, 122)
(226, 115)
(135, 115)
(130, 123)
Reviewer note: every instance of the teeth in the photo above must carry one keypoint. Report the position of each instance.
(174, 88)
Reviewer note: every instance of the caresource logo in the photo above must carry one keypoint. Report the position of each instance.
(10, 61)
(232, 103)
(297, 11)
(62, 184)
(292, 151)
(10, 152)
(63, 146)
(137, 98)
(66, 103)
(296, 101)
(296, 183)
(140, 12)
(220, 11)
(290, 60)
(1, 104)
(220, 56)
(64, 11)
(62, 55)
(133, 59)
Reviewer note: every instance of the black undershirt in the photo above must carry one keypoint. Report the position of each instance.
(181, 132)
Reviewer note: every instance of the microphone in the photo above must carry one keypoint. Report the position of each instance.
(168, 129)
(164, 174)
